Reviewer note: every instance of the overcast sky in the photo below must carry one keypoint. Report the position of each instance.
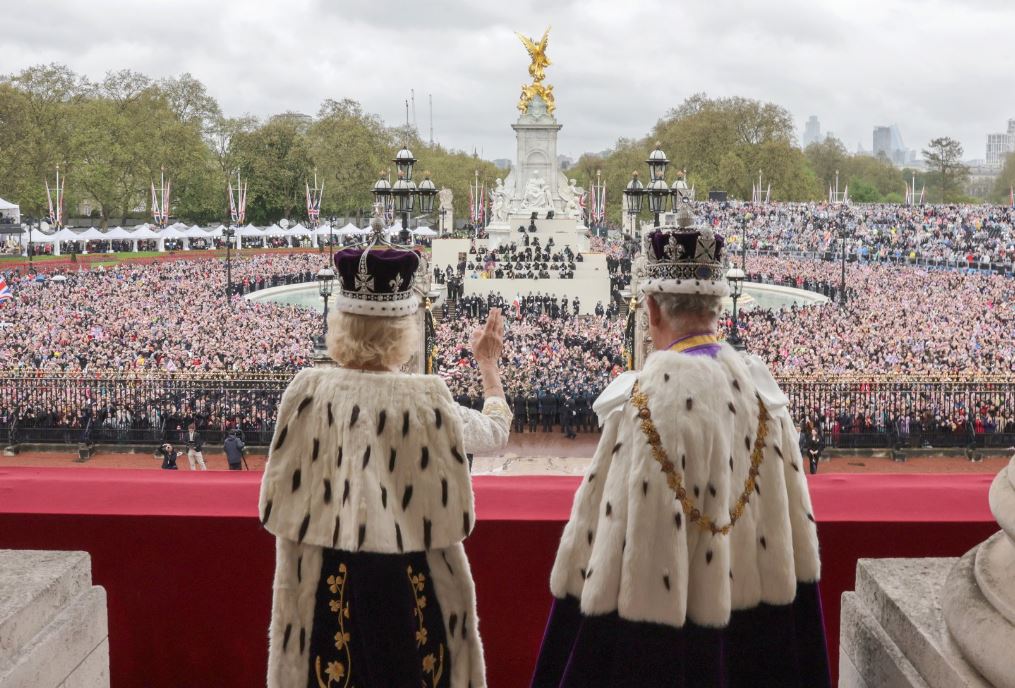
(934, 67)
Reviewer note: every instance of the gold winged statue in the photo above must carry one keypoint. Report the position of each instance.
(537, 53)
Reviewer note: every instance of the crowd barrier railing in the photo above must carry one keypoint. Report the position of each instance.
(151, 407)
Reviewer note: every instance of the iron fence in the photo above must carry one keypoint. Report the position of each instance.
(147, 408)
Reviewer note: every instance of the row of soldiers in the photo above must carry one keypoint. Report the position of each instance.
(545, 410)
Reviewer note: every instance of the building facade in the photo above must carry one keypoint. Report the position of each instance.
(1000, 146)
(812, 131)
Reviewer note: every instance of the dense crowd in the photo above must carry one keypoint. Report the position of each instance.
(956, 233)
(144, 321)
(158, 317)
(133, 324)
(553, 367)
(526, 260)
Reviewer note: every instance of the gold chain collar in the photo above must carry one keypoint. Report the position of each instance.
(674, 479)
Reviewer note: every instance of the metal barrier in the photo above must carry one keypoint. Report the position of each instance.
(146, 408)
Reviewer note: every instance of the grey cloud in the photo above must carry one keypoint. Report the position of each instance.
(934, 67)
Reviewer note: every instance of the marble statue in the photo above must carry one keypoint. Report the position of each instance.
(537, 194)
(447, 199)
(446, 210)
(499, 195)
(571, 195)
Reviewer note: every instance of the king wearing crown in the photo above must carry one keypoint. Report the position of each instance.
(691, 554)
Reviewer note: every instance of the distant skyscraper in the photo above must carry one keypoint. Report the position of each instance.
(888, 140)
(812, 131)
(1000, 146)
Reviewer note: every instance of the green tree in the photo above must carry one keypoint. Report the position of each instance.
(944, 158)
(1005, 181)
(275, 159)
(349, 148)
(826, 158)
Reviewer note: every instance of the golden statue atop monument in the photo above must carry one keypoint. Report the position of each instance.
(537, 52)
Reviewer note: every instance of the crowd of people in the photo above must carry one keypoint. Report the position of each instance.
(897, 318)
(554, 365)
(527, 260)
(93, 352)
(971, 234)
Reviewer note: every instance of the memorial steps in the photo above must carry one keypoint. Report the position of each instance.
(591, 281)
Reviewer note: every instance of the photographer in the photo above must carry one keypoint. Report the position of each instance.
(233, 446)
(169, 456)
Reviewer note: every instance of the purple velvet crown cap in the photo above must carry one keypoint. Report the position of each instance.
(662, 241)
(382, 267)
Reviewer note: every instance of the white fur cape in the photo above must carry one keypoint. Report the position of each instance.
(371, 462)
(629, 548)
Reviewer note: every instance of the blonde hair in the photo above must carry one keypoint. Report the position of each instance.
(364, 340)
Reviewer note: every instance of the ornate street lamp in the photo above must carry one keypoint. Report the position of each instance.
(382, 192)
(401, 196)
(325, 286)
(404, 162)
(427, 193)
(736, 276)
(635, 193)
(657, 162)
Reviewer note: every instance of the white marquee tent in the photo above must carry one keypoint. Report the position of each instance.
(11, 210)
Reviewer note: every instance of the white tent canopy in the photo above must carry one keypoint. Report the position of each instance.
(119, 233)
(43, 238)
(144, 232)
(216, 232)
(351, 229)
(172, 232)
(195, 232)
(300, 230)
(11, 210)
(424, 231)
(66, 235)
(249, 231)
(92, 234)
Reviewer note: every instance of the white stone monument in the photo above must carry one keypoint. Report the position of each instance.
(446, 210)
(936, 623)
(534, 185)
(53, 628)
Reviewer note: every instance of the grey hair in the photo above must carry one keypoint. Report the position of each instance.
(676, 307)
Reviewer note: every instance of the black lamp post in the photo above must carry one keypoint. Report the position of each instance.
(331, 239)
(842, 279)
(635, 193)
(382, 192)
(658, 191)
(401, 197)
(325, 286)
(743, 245)
(29, 220)
(735, 276)
(229, 233)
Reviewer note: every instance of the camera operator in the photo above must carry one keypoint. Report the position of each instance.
(169, 456)
(233, 446)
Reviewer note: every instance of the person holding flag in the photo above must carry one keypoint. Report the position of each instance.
(5, 291)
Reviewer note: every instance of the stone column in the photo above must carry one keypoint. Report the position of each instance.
(53, 628)
(978, 600)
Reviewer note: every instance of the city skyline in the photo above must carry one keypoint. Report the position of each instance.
(273, 58)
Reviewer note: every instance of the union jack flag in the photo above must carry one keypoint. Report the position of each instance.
(5, 291)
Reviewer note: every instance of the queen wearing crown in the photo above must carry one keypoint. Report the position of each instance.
(367, 491)
(691, 554)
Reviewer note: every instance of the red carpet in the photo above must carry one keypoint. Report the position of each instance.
(188, 569)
